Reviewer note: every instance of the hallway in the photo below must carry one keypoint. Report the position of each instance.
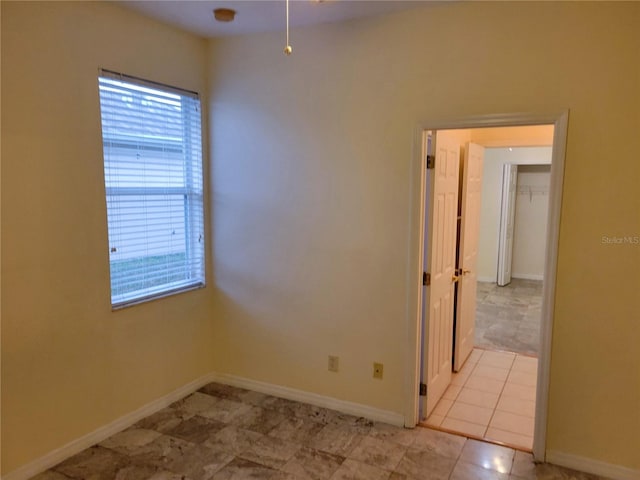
(493, 397)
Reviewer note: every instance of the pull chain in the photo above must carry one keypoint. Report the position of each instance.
(287, 49)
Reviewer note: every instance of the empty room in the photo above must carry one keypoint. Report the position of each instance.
(212, 245)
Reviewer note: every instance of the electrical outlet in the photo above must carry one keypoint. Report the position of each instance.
(378, 368)
(333, 363)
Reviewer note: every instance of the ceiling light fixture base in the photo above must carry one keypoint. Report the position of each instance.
(224, 14)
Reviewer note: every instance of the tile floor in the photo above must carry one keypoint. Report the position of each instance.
(227, 433)
(491, 398)
(508, 318)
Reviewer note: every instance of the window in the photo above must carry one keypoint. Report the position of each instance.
(153, 177)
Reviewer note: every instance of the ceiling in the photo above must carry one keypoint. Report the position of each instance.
(254, 16)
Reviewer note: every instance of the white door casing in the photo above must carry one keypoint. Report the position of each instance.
(416, 298)
(507, 223)
(468, 253)
(441, 262)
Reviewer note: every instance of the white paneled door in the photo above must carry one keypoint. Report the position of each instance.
(441, 265)
(468, 253)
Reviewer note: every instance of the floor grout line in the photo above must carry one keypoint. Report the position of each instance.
(500, 394)
(484, 437)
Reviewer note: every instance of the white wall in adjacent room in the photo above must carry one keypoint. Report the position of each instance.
(530, 230)
(494, 159)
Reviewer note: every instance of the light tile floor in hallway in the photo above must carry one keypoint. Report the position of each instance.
(508, 318)
(492, 398)
(227, 433)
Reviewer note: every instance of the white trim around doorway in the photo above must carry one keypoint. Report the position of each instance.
(414, 275)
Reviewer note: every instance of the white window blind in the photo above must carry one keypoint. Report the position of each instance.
(153, 177)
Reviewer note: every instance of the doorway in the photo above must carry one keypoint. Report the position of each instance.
(559, 124)
(491, 394)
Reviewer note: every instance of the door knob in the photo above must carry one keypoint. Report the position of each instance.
(455, 278)
(465, 272)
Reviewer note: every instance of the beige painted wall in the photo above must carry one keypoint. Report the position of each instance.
(494, 159)
(70, 364)
(311, 186)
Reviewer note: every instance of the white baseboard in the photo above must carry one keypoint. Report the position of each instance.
(59, 454)
(486, 279)
(343, 406)
(527, 276)
(522, 276)
(595, 467)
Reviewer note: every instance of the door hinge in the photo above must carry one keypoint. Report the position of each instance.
(431, 161)
(426, 278)
(423, 389)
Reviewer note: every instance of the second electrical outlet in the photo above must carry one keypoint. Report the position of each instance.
(333, 363)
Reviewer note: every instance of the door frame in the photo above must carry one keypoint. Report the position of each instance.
(415, 254)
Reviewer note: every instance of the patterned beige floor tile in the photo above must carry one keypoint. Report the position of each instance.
(379, 453)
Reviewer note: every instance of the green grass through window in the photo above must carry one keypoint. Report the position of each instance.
(146, 272)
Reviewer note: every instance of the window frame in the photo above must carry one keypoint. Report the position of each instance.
(190, 154)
